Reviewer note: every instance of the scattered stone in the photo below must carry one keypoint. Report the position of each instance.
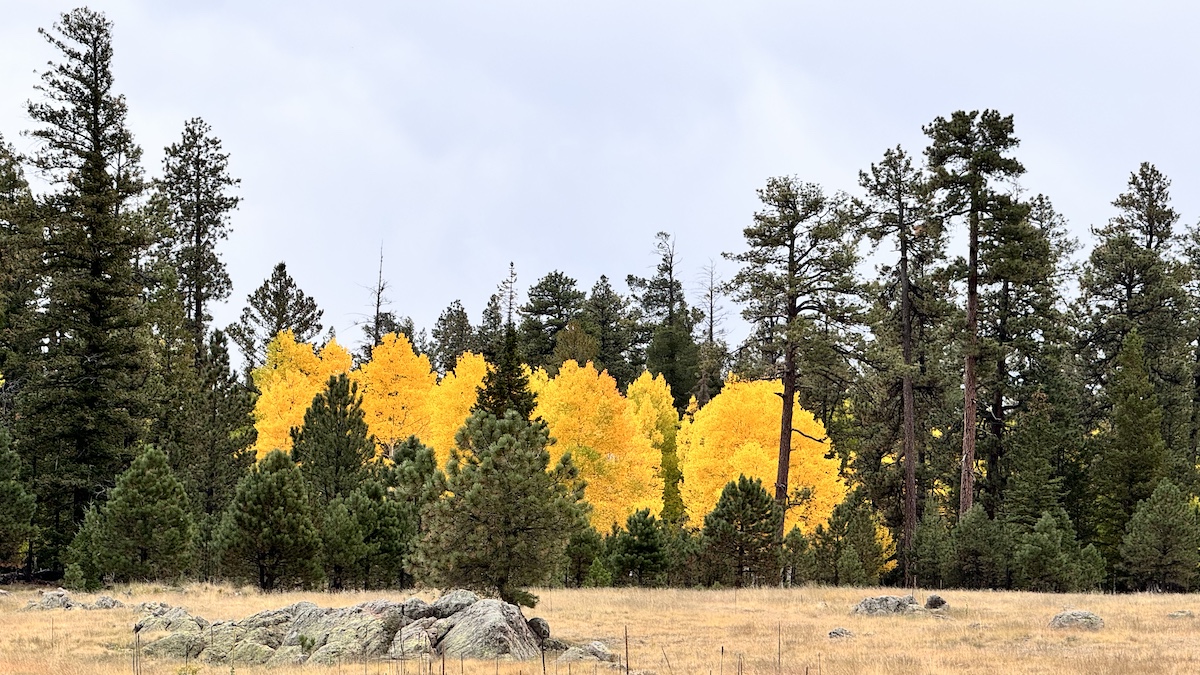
(1077, 618)
(936, 601)
(3, 593)
(840, 633)
(453, 603)
(490, 629)
(539, 627)
(593, 651)
(105, 602)
(1181, 614)
(887, 604)
(552, 644)
(56, 599)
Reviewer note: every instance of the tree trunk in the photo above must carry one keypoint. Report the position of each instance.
(785, 430)
(966, 496)
(909, 450)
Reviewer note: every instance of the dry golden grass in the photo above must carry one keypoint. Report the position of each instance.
(988, 632)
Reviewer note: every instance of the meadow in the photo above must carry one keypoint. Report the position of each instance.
(672, 631)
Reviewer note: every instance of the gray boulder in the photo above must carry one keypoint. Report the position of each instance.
(453, 603)
(840, 633)
(490, 629)
(56, 599)
(887, 604)
(936, 601)
(290, 655)
(359, 632)
(1181, 614)
(173, 619)
(1077, 618)
(105, 602)
(176, 646)
(416, 608)
(593, 651)
(552, 644)
(414, 640)
(251, 653)
(539, 627)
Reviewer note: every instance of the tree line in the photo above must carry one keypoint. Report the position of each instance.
(993, 426)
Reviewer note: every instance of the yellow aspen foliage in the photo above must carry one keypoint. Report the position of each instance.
(653, 409)
(589, 418)
(450, 403)
(396, 385)
(738, 433)
(292, 375)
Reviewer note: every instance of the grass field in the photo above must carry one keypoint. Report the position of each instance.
(765, 631)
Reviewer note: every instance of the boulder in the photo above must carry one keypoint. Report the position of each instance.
(936, 601)
(251, 653)
(416, 608)
(414, 640)
(593, 651)
(490, 629)
(539, 627)
(1181, 614)
(105, 602)
(56, 599)
(887, 604)
(552, 644)
(1077, 618)
(173, 619)
(290, 655)
(840, 633)
(176, 646)
(363, 631)
(453, 603)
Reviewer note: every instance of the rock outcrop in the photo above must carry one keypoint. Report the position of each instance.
(883, 605)
(459, 624)
(593, 651)
(61, 599)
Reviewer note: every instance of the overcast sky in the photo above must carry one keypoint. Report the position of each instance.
(562, 135)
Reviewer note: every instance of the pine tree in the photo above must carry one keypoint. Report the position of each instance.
(585, 548)
(741, 535)
(452, 336)
(489, 334)
(1161, 547)
(1032, 489)
(506, 386)
(16, 504)
(638, 553)
(712, 351)
(967, 158)
(981, 551)
(852, 534)
(82, 409)
(799, 559)
(276, 305)
(1132, 457)
(1048, 558)
(554, 302)
(267, 534)
(196, 186)
(21, 278)
(575, 343)
(607, 314)
(380, 322)
(334, 445)
(342, 544)
(145, 529)
(672, 350)
(800, 269)
(506, 521)
(933, 551)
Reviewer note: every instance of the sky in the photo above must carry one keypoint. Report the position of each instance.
(459, 136)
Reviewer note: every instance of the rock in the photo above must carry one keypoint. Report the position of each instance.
(887, 604)
(105, 602)
(593, 651)
(173, 619)
(936, 601)
(4, 593)
(290, 655)
(1181, 614)
(539, 627)
(1077, 618)
(413, 640)
(251, 653)
(363, 631)
(839, 633)
(56, 599)
(176, 646)
(453, 603)
(551, 644)
(490, 629)
(416, 608)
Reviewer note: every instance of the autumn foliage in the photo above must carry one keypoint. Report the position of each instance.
(293, 374)
(737, 433)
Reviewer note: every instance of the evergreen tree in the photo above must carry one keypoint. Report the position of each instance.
(1032, 490)
(799, 559)
(981, 551)
(145, 530)
(672, 350)
(575, 343)
(1134, 280)
(16, 504)
(933, 551)
(489, 334)
(381, 322)
(847, 549)
(967, 158)
(1132, 455)
(21, 278)
(713, 351)
(1161, 547)
(82, 409)
(606, 313)
(389, 528)
(585, 548)
(276, 305)
(334, 445)
(799, 270)
(554, 302)
(452, 335)
(1048, 557)
(342, 545)
(639, 552)
(267, 534)
(196, 185)
(741, 535)
(505, 521)
(506, 387)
